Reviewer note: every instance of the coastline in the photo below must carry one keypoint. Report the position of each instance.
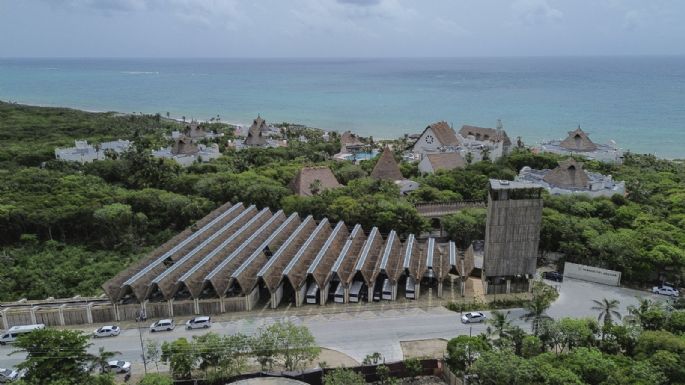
(178, 118)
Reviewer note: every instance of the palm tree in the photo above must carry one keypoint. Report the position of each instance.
(536, 312)
(102, 358)
(501, 325)
(607, 310)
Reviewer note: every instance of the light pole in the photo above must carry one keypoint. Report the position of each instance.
(142, 347)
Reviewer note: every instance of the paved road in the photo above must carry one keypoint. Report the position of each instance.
(361, 333)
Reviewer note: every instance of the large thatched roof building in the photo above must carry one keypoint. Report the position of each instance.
(441, 161)
(387, 168)
(578, 140)
(484, 134)
(436, 137)
(313, 180)
(255, 135)
(569, 174)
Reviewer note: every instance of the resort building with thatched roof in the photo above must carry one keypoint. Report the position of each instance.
(313, 181)
(491, 142)
(386, 167)
(571, 178)
(194, 131)
(579, 142)
(436, 137)
(185, 151)
(441, 161)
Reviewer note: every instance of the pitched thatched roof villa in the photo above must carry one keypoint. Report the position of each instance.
(571, 178)
(313, 180)
(495, 140)
(578, 142)
(441, 161)
(387, 169)
(186, 151)
(436, 137)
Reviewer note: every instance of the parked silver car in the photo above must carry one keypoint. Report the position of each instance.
(107, 331)
(162, 325)
(118, 366)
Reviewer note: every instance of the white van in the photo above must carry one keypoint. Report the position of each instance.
(313, 293)
(161, 325)
(15, 331)
(387, 290)
(202, 322)
(410, 288)
(355, 291)
(339, 296)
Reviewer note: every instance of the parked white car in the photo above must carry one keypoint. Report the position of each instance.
(107, 331)
(118, 366)
(8, 375)
(665, 290)
(201, 322)
(473, 317)
(162, 325)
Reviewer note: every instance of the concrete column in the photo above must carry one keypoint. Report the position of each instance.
(394, 291)
(417, 290)
(440, 289)
(116, 313)
(508, 286)
(33, 315)
(323, 294)
(530, 285)
(222, 307)
(346, 291)
(171, 307)
(89, 312)
(462, 287)
(485, 286)
(370, 297)
(196, 303)
(61, 314)
(5, 322)
(273, 301)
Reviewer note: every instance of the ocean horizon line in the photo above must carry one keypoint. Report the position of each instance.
(579, 56)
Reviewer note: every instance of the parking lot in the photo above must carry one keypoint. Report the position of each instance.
(363, 330)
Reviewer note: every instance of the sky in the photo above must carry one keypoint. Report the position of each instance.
(340, 28)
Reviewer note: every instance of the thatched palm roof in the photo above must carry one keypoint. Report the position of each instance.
(485, 134)
(446, 161)
(444, 133)
(386, 168)
(309, 178)
(578, 140)
(184, 146)
(569, 174)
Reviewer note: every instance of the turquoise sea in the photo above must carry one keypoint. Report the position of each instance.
(637, 101)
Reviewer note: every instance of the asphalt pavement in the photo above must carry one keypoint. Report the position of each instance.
(360, 333)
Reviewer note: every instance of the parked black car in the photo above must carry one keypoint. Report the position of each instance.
(553, 276)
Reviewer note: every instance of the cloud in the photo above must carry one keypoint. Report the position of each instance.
(209, 13)
(633, 20)
(360, 2)
(535, 12)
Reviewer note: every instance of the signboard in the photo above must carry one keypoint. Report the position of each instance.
(592, 274)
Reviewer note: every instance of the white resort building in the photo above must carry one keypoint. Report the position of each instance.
(481, 140)
(186, 152)
(471, 143)
(570, 178)
(83, 152)
(578, 142)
